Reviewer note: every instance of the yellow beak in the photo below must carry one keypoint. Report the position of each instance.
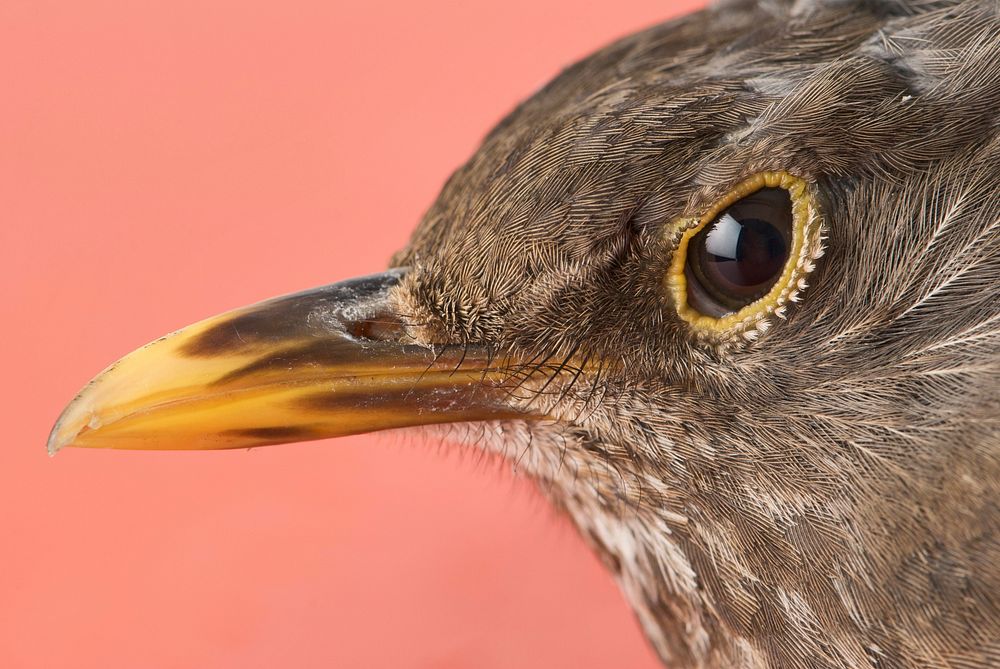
(324, 363)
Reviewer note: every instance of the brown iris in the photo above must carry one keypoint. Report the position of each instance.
(740, 254)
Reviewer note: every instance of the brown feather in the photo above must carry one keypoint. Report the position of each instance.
(826, 494)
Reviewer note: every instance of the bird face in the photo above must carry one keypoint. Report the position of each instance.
(728, 289)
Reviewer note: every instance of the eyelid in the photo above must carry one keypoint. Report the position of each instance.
(806, 246)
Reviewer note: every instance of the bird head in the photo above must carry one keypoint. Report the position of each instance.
(728, 290)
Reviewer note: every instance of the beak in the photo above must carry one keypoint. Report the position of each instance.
(324, 363)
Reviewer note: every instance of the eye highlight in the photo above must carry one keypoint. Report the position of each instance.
(746, 257)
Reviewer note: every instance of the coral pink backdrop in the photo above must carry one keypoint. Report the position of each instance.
(161, 161)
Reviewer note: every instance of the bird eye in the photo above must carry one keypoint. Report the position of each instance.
(747, 256)
(736, 258)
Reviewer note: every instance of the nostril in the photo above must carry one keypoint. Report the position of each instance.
(383, 326)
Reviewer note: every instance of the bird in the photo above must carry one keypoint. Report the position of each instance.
(728, 290)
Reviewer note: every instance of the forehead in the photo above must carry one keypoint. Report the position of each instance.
(641, 111)
(660, 123)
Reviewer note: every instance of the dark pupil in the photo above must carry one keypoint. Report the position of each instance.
(740, 254)
(748, 251)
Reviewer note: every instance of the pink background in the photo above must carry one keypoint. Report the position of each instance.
(164, 161)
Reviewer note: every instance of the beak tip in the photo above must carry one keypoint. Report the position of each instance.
(67, 428)
(55, 442)
(58, 439)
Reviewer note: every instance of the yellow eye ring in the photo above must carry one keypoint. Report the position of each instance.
(805, 246)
